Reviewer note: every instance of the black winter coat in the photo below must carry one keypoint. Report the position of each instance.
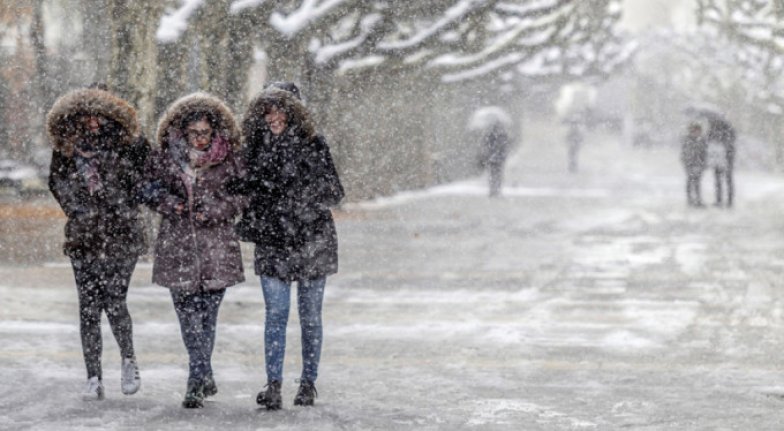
(291, 183)
(104, 223)
(721, 131)
(494, 147)
(694, 154)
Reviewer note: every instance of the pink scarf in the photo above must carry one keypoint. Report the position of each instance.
(216, 153)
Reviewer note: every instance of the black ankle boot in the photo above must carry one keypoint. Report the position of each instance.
(194, 395)
(306, 394)
(210, 388)
(270, 396)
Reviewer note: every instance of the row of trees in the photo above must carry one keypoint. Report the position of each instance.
(732, 61)
(386, 79)
(746, 40)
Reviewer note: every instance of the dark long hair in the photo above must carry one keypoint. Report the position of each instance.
(195, 116)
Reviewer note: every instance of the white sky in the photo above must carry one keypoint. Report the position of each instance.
(642, 14)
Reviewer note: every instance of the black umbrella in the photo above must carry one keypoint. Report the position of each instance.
(718, 126)
(707, 111)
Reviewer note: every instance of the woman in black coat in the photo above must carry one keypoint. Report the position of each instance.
(97, 164)
(291, 183)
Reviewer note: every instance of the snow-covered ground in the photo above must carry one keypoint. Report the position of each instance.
(587, 301)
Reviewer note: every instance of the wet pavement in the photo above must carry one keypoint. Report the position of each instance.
(587, 301)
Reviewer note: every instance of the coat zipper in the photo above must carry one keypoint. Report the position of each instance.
(189, 191)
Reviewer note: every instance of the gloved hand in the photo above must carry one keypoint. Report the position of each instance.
(150, 193)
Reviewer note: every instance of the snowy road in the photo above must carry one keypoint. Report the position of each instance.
(595, 301)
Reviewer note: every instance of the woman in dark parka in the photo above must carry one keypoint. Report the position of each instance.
(197, 254)
(97, 165)
(291, 182)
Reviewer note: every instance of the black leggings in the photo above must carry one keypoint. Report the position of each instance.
(103, 286)
(198, 315)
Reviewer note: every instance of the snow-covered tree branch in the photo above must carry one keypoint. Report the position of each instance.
(455, 39)
(754, 35)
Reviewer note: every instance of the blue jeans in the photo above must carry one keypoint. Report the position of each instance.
(198, 315)
(277, 299)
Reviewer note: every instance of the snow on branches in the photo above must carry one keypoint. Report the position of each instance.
(454, 39)
(753, 35)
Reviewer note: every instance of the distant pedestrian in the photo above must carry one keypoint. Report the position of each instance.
(694, 158)
(721, 158)
(291, 182)
(494, 150)
(97, 164)
(197, 254)
(574, 142)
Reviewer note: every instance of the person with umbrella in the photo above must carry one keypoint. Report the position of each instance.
(720, 137)
(494, 145)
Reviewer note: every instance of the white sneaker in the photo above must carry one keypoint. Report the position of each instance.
(130, 381)
(93, 391)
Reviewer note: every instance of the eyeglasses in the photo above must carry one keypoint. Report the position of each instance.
(196, 134)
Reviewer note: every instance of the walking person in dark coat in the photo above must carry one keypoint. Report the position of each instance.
(291, 182)
(197, 254)
(97, 164)
(721, 158)
(495, 148)
(694, 159)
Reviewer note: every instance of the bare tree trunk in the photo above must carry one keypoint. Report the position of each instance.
(37, 36)
(134, 55)
(212, 25)
(239, 59)
(97, 37)
(775, 137)
(43, 89)
(318, 85)
(122, 48)
(4, 135)
(170, 85)
(778, 142)
(284, 62)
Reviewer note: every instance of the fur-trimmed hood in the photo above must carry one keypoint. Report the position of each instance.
(253, 124)
(199, 102)
(90, 101)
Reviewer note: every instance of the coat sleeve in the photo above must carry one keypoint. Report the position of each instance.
(61, 187)
(153, 191)
(323, 184)
(250, 178)
(223, 205)
(243, 182)
(504, 143)
(137, 156)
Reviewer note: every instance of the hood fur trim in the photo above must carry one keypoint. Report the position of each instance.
(94, 101)
(298, 113)
(199, 101)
